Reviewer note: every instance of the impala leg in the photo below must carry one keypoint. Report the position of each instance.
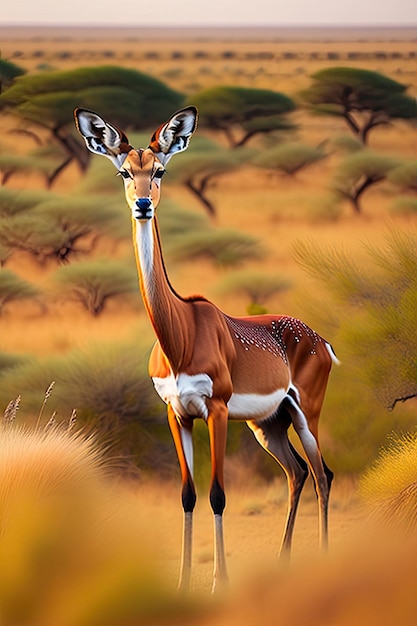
(217, 426)
(182, 435)
(272, 435)
(321, 474)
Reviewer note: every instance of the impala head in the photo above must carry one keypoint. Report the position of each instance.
(142, 169)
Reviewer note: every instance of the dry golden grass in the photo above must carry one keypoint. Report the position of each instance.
(79, 550)
(75, 548)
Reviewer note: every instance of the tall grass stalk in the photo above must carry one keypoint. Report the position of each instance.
(45, 400)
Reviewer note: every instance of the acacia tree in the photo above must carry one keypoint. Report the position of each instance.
(240, 112)
(129, 98)
(255, 286)
(364, 99)
(202, 166)
(289, 157)
(8, 73)
(14, 288)
(94, 283)
(405, 176)
(358, 172)
(53, 226)
(42, 160)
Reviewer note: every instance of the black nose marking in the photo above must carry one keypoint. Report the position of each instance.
(143, 203)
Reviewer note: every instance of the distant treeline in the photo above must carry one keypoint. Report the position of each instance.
(266, 55)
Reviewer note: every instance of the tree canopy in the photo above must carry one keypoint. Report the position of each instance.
(202, 165)
(365, 99)
(289, 157)
(127, 98)
(254, 111)
(8, 72)
(360, 171)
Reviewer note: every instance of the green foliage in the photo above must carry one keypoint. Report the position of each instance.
(89, 213)
(8, 361)
(253, 110)
(202, 165)
(31, 234)
(31, 376)
(223, 247)
(378, 313)
(51, 226)
(289, 157)
(176, 223)
(111, 382)
(99, 179)
(351, 92)
(256, 286)
(186, 235)
(359, 171)
(109, 387)
(405, 206)
(8, 73)
(347, 143)
(405, 175)
(94, 283)
(13, 289)
(126, 97)
(16, 163)
(14, 201)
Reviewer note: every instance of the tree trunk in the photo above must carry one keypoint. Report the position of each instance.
(51, 179)
(199, 192)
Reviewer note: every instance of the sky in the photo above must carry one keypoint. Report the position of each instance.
(177, 13)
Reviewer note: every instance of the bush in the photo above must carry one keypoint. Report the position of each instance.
(378, 311)
(359, 171)
(256, 286)
(390, 487)
(94, 283)
(394, 470)
(405, 176)
(13, 289)
(289, 158)
(224, 247)
(404, 206)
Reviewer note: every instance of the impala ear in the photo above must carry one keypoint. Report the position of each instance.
(101, 137)
(174, 136)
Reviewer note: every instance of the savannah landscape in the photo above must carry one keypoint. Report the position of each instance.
(105, 548)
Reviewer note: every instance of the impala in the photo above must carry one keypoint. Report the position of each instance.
(270, 370)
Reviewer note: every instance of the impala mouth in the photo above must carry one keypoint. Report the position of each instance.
(143, 209)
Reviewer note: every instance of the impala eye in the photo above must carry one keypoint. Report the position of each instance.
(159, 173)
(125, 174)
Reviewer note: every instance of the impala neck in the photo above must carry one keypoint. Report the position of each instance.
(166, 310)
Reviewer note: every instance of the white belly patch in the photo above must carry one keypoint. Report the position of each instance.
(186, 394)
(252, 406)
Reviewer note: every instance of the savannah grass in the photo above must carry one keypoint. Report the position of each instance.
(74, 545)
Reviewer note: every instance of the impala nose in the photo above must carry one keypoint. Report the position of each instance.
(143, 203)
(144, 208)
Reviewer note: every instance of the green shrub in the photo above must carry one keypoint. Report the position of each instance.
(13, 289)
(94, 283)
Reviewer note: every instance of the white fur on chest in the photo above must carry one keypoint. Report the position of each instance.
(186, 394)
